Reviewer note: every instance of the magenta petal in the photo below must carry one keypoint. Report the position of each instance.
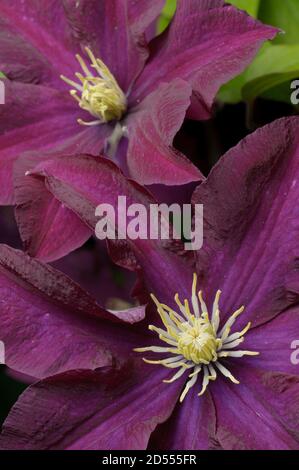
(84, 182)
(49, 324)
(105, 27)
(187, 430)
(251, 226)
(32, 117)
(84, 410)
(206, 45)
(142, 13)
(151, 157)
(48, 229)
(274, 343)
(261, 413)
(37, 43)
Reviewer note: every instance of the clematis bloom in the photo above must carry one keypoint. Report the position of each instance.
(250, 253)
(99, 48)
(120, 86)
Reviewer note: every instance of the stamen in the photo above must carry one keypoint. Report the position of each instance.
(195, 340)
(101, 95)
(204, 308)
(215, 313)
(194, 297)
(176, 376)
(189, 385)
(205, 381)
(226, 372)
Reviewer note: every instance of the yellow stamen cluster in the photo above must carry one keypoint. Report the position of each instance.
(100, 94)
(194, 340)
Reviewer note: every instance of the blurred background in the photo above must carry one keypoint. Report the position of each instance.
(258, 96)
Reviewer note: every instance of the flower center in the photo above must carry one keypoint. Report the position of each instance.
(100, 93)
(195, 340)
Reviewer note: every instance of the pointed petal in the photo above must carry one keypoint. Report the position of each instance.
(114, 31)
(84, 182)
(151, 157)
(207, 44)
(258, 414)
(251, 225)
(85, 410)
(36, 41)
(49, 324)
(32, 117)
(185, 430)
(277, 342)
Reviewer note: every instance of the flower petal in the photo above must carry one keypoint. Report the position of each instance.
(258, 414)
(48, 125)
(142, 13)
(49, 230)
(112, 29)
(36, 43)
(187, 430)
(276, 342)
(84, 182)
(39, 40)
(85, 410)
(49, 324)
(32, 117)
(206, 45)
(152, 128)
(251, 226)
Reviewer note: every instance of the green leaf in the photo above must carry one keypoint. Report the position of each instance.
(231, 92)
(166, 15)
(251, 6)
(2, 75)
(275, 65)
(283, 14)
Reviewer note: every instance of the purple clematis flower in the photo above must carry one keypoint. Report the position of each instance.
(119, 85)
(250, 253)
(98, 49)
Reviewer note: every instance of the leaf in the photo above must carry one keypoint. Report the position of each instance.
(251, 6)
(166, 15)
(283, 14)
(275, 65)
(231, 92)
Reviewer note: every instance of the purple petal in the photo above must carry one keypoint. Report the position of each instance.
(49, 230)
(49, 324)
(251, 224)
(84, 182)
(142, 13)
(105, 27)
(258, 414)
(151, 157)
(186, 429)
(32, 117)
(84, 410)
(274, 343)
(36, 41)
(39, 40)
(207, 44)
(90, 266)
